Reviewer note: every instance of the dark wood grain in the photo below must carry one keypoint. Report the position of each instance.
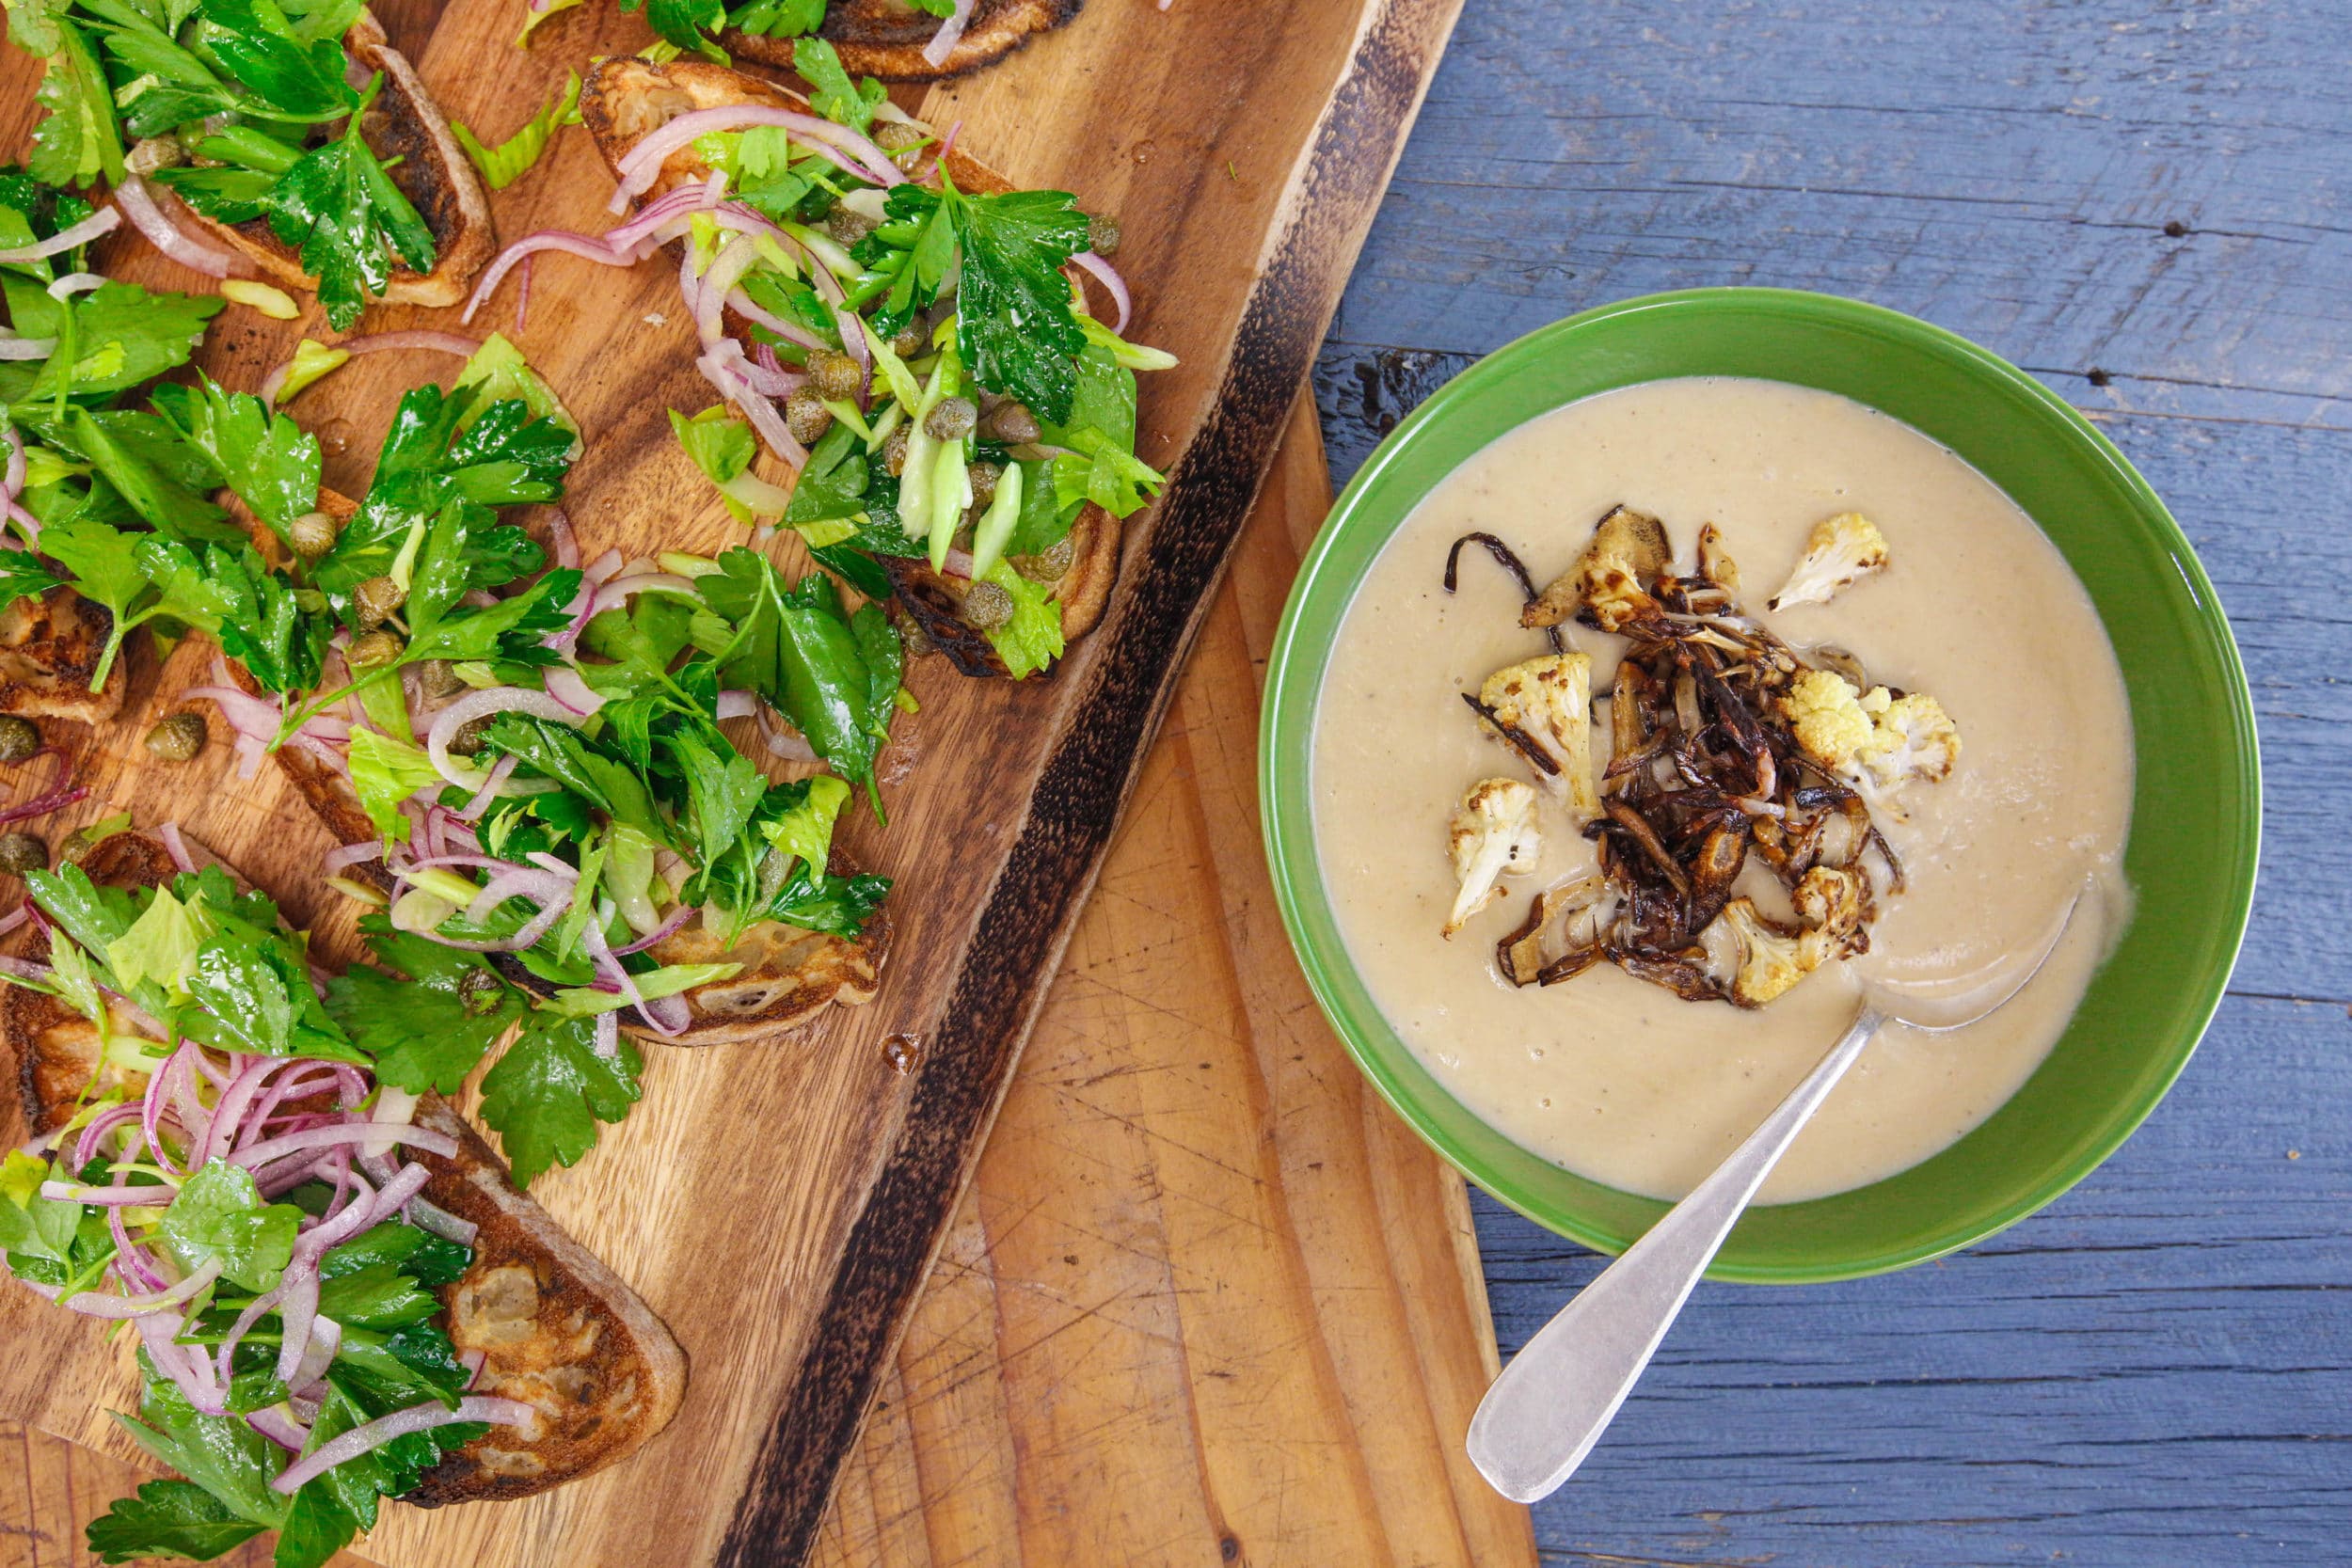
(1083, 784)
(2145, 204)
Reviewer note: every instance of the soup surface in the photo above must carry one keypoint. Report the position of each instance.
(1616, 1079)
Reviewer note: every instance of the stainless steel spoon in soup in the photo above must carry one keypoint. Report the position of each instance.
(1559, 1394)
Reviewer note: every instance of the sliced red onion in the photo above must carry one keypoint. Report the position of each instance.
(1108, 277)
(427, 1215)
(14, 347)
(147, 216)
(950, 32)
(400, 1423)
(104, 221)
(602, 569)
(16, 917)
(642, 164)
(566, 686)
(791, 332)
(188, 1368)
(97, 1304)
(445, 343)
(678, 917)
(738, 704)
(280, 1428)
(476, 704)
(12, 481)
(586, 246)
(350, 855)
(639, 234)
(326, 1337)
(542, 888)
(147, 1196)
(785, 744)
(621, 589)
(522, 296)
(344, 1133)
(499, 772)
(471, 1360)
(762, 413)
(246, 714)
(176, 847)
(249, 754)
(566, 545)
(957, 564)
(297, 1310)
(75, 283)
(85, 1147)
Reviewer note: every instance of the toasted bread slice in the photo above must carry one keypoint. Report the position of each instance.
(887, 38)
(49, 649)
(935, 599)
(625, 98)
(557, 1330)
(433, 172)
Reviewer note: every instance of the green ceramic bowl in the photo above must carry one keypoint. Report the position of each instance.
(2196, 810)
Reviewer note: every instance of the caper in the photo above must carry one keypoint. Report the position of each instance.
(894, 452)
(479, 993)
(983, 477)
(951, 419)
(898, 135)
(76, 847)
(1050, 564)
(912, 635)
(1102, 234)
(18, 737)
(467, 740)
(373, 651)
(1013, 424)
(438, 679)
(178, 739)
(23, 852)
(806, 416)
(312, 535)
(987, 606)
(377, 600)
(909, 340)
(847, 225)
(835, 375)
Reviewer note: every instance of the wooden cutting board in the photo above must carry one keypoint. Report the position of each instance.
(1305, 1320)
(1245, 150)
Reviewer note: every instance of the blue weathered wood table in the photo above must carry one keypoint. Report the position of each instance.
(2150, 206)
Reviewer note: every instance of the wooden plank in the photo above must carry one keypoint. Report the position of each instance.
(1245, 154)
(2153, 1371)
(1206, 1292)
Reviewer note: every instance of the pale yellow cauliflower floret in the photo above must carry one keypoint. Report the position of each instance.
(1827, 717)
(1912, 738)
(1839, 550)
(1770, 961)
(1549, 701)
(1493, 832)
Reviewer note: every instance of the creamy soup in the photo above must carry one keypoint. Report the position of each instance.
(1616, 1079)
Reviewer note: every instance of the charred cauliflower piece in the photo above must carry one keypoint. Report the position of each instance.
(1543, 708)
(1836, 906)
(1628, 550)
(1841, 550)
(1911, 738)
(1493, 832)
(1715, 562)
(1827, 717)
(1771, 958)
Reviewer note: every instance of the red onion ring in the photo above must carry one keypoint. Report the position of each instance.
(476, 704)
(738, 704)
(522, 297)
(566, 546)
(642, 164)
(75, 283)
(678, 917)
(97, 1304)
(564, 685)
(58, 796)
(1108, 277)
(446, 343)
(400, 1423)
(147, 216)
(176, 847)
(500, 771)
(13, 347)
(104, 221)
(350, 855)
(344, 1133)
(950, 32)
(583, 246)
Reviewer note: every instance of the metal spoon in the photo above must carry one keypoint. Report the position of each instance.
(1558, 1395)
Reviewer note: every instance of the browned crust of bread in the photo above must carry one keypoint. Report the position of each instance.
(557, 1330)
(49, 649)
(935, 599)
(433, 173)
(886, 38)
(623, 99)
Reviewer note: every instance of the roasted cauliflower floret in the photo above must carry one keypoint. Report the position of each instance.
(1544, 708)
(1493, 832)
(1911, 738)
(1835, 905)
(1827, 717)
(1770, 959)
(1840, 551)
(1629, 548)
(1715, 562)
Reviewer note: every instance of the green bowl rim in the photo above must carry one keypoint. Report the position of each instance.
(1285, 701)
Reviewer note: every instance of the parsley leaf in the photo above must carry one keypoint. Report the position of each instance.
(76, 140)
(268, 460)
(220, 1214)
(167, 1518)
(343, 210)
(1014, 318)
(832, 93)
(548, 1093)
(428, 1030)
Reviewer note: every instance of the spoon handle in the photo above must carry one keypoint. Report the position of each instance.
(1556, 1397)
